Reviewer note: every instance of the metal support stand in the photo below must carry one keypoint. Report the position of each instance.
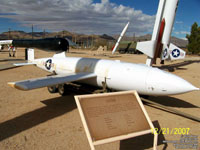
(104, 88)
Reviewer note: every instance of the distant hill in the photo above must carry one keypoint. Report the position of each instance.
(178, 42)
(105, 36)
(37, 35)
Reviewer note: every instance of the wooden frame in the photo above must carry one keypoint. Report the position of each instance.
(98, 113)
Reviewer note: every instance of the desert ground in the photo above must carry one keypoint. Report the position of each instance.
(38, 120)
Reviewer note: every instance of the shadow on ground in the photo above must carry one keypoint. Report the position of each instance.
(54, 107)
(172, 102)
(178, 66)
(143, 142)
(5, 60)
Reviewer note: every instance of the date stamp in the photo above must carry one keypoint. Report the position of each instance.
(172, 131)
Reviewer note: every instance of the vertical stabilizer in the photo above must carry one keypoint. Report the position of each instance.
(31, 54)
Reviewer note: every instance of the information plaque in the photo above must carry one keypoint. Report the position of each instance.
(114, 116)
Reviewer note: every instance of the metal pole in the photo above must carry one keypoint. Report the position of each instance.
(133, 37)
(92, 42)
(172, 110)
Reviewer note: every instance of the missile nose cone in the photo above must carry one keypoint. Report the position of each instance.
(165, 83)
(179, 85)
(186, 86)
(196, 89)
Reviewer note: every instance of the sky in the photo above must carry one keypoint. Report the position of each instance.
(93, 16)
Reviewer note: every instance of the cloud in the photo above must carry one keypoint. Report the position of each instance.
(81, 16)
(184, 39)
(179, 22)
(181, 32)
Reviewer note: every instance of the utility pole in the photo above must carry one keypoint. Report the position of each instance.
(92, 42)
(9, 33)
(32, 31)
(87, 42)
(75, 39)
(133, 37)
(44, 34)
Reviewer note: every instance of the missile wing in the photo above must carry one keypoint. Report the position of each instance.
(49, 81)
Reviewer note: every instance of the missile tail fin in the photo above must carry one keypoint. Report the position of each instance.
(176, 52)
(172, 52)
(165, 52)
(147, 47)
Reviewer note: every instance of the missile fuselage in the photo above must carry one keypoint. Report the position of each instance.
(169, 16)
(159, 44)
(119, 75)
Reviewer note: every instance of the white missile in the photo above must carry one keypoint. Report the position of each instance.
(160, 46)
(117, 75)
(6, 42)
(120, 37)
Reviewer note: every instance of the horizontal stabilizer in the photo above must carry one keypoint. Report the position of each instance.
(49, 81)
(176, 52)
(24, 64)
(147, 47)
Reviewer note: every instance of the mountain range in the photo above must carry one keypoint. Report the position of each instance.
(36, 35)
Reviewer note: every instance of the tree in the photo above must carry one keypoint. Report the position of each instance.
(194, 39)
